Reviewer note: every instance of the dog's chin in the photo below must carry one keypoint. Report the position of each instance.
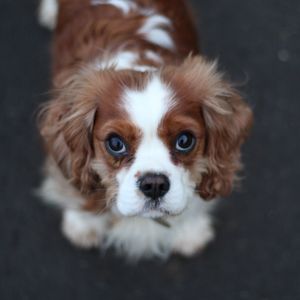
(153, 214)
(147, 209)
(160, 212)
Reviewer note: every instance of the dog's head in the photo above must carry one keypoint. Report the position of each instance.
(147, 142)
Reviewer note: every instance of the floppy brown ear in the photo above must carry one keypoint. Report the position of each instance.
(66, 125)
(226, 131)
(228, 120)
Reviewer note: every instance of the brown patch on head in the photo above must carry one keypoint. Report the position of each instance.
(217, 114)
(85, 108)
(181, 119)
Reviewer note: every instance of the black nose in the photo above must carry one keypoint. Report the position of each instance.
(154, 186)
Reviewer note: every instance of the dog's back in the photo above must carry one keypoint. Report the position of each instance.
(86, 30)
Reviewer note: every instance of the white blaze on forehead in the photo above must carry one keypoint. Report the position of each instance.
(153, 32)
(124, 5)
(146, 108)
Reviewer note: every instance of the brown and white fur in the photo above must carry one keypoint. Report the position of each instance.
(132, 69)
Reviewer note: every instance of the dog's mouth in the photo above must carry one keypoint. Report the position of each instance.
(157, 211)
(154, 209)
(158, 215)
(154, 213)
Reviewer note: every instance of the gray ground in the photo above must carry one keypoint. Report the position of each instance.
(256, 253)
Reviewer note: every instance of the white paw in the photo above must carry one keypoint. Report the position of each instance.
(83, 229)
(48, 13)
(193, 237)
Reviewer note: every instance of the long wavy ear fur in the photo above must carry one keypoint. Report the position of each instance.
(228, 120)
(66, 124)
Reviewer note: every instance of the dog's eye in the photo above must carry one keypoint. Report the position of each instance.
(185, 142)
(116, 146)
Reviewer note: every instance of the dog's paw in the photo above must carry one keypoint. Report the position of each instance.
(48, 13)
(83, 229)
(193, 237)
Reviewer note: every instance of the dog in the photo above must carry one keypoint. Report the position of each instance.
(141, 130)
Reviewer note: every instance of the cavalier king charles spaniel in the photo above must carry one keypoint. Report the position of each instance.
(141, 130)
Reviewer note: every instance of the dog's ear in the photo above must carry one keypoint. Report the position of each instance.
(66, 126)
(227, 118)
(228, 121)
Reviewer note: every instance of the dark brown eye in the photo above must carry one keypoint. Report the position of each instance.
(116, 146)
(185, 142)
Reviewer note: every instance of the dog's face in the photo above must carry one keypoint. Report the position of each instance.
(145, 143)
(150, 145)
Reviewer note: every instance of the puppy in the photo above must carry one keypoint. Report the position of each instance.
(141, 130)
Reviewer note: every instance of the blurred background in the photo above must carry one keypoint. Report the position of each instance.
(256, 254)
